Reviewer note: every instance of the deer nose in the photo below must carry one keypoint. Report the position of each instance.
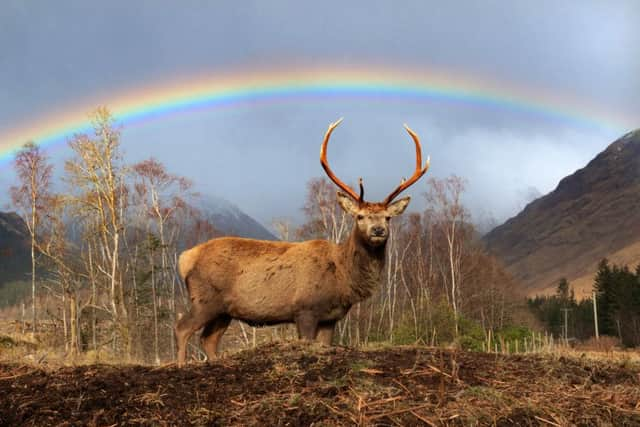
(378, 231)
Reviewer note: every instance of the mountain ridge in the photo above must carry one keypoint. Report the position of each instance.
(230, 220)
(588, 216)
(15, 253)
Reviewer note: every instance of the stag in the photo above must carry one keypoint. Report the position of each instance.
(312, 284)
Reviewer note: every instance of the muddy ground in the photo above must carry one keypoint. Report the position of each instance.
(297, 384)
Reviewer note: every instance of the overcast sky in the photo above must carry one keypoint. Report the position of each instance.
(55, 55)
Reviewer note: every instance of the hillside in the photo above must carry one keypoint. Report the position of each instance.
(297, 384)
(592, 214)
(230, 220)
(15, 255)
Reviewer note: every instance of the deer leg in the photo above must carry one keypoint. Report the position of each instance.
(325, 333)
(185, 327)
(307, 324)
(212, 333)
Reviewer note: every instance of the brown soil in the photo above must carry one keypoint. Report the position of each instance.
(297, 384)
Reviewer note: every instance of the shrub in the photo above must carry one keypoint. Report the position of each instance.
(514, 333)
(405, 333)
(443, 321)
(511, 334)
(472, 335)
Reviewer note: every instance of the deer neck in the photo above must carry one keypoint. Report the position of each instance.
(365, 266)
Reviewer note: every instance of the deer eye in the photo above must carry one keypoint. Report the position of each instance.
(360, 217)
(387, 218)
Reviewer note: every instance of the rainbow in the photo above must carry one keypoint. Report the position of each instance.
(223, 89)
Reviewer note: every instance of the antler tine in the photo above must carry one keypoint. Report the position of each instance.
(404, 184)
(361, 184)
(327, 169)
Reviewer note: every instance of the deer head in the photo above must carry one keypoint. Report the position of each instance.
(372, 218)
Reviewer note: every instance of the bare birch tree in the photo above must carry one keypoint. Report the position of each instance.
(451, 218)
(325, 219)
(30, 195)
(97, 178)
(161, 196)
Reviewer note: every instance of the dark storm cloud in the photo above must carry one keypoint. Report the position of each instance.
(56, 54)
(55, 50)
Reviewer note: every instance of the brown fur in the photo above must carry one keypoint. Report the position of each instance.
(312, 283)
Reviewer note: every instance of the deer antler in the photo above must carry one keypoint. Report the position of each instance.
(416, 174)
(327, 169)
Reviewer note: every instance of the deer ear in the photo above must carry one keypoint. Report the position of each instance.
(347, 203)
(397, 207)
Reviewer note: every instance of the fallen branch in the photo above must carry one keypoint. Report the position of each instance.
(546, 421)
(404, 387)
(18, 375)
(423, 419)
(398, 411)
(381, 401)
(371, 371)
(439, 371)
(342, 414)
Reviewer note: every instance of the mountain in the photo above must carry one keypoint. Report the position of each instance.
(592, 214)
(230, 220)
(15, 253)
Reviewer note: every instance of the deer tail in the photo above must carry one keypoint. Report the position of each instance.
(187, 261)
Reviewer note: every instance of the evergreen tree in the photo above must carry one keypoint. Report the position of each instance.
(605, 298)
(618, 297)
(563, 289)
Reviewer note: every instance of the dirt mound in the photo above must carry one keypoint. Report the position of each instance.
(296, 384)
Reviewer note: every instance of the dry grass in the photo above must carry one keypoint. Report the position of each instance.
(605, 350)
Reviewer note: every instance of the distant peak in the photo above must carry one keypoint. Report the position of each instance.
(630, 140)
(631, 135)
